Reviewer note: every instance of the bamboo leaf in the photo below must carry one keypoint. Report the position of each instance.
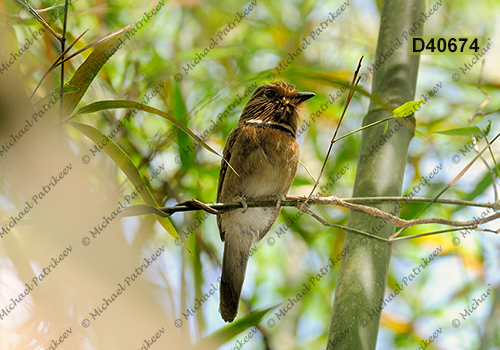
(125, 163)
(467, 131)
(98, 42)
(35, 15)
(142, 209)
(112, 104)
(488, 129)
(87, 72)
(407, 108)
(227, 333)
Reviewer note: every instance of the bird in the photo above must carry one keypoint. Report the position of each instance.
(260, 159)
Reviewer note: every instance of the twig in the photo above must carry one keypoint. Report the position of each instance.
(35, 15)
(302, 207)
(294, 201)
(365, 127)
(471, 118)
(63, 44)
(435, 233)
(451, 183)
(54, 65)
(299, 202)
(99, 41)
(54, 7)
(348, 101)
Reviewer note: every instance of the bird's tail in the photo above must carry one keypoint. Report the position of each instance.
(234, 265)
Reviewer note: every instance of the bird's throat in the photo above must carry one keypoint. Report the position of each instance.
(271, 125)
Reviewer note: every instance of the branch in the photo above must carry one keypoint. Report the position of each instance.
(299, 202)
(295, 201)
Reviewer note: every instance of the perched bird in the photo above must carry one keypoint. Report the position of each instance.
(264, 154)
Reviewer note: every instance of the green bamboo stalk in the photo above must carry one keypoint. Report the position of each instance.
(363, 272)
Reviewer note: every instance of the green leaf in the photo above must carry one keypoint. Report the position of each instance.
(467, 131)
(125, 163)
(67, 89)
(87, 72)
(308, 171)
(488, 128)
(407, 108)
(386, 125)
(227, 333)
(112, 104)
(143, 209)
(481, 186)
(183, 141)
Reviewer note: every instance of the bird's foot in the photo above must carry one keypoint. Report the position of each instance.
(194, 203)
(280, 197)
(243, 201)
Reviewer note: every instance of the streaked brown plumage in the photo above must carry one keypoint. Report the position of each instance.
(263, 151)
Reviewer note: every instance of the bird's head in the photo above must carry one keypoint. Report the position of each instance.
(276, 102)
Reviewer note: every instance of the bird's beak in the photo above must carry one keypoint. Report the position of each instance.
(304, 96)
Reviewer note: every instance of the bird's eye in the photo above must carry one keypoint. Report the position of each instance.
(270, 93)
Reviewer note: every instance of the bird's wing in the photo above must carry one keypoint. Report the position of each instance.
(231, 139)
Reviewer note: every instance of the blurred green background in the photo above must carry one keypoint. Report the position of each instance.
(247, 54)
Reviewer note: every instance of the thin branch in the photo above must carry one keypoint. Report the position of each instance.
(451, 183)
(324, 223)
(55, 64)
(396, 221)
(35, 15)
(302, 207)
(366, 127)
(490, 170)
(488, 113)
(97, 42)
(435, 233)
(474, 140)
(61, 60)
(46, 9)
(299, 202)
(63, 44)
(348, 101)
(294, 201)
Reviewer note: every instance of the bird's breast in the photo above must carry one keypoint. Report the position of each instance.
(269, 163)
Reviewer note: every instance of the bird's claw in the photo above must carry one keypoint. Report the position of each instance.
(243, 201)
(280, 198)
